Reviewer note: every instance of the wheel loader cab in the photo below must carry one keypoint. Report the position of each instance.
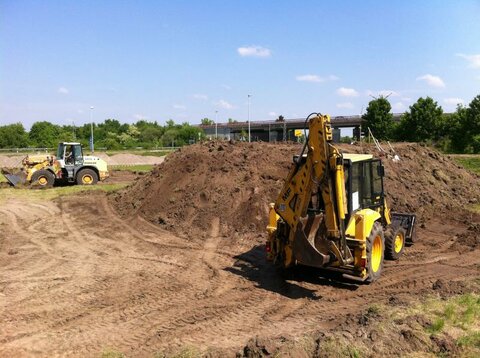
(363, 182)
(70, 153)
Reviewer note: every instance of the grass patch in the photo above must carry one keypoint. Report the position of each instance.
(337, 348)
(53, 193)
(111, 353)
(471, 163)
(144, 168)
(470, 340)
(160, 153)
(2, 178)
(437, 326)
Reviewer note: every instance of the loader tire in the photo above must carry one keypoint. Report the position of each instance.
(394, 243)
(43, 179)
(87, 177)
(375, 252)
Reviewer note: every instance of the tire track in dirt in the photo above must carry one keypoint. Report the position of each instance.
(98, 281)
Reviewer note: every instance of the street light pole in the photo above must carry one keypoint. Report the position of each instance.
(216, 125)
(92, 148)
(248, 98)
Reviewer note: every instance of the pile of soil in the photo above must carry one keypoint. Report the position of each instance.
(235, 182)
(424, 181)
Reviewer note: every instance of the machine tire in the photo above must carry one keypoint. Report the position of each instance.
(395, 242)
(375, 252)
(87, 177)
(43, 179)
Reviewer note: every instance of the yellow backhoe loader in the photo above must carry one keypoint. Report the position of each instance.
(69, 166)
(331, 212)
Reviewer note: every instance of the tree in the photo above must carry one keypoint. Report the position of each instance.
(423, 122)
(13, 136)
(44, 134)
(379, 119)
(207, 122)
(465, 129)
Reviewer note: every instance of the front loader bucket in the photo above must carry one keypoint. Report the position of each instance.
(15, 179)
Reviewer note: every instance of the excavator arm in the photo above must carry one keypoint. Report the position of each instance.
(319, 169)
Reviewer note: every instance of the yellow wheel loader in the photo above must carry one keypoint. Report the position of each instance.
(69, 166)
(331, 212)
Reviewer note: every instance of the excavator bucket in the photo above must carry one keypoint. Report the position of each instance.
(15, 179)
(304, 247)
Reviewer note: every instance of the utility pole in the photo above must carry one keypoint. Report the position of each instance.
(248, 99)
(92, 147)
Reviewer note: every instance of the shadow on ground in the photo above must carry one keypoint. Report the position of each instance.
(253, 266)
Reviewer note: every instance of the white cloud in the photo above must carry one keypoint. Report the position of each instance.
(179, 106)
(473, 60)
(200, 96)
(63, 90)
(80, 111)
(406, 99)
(254, 51)
(347, 92)
(432, 81)
(227, 87)
(347, 105)
(139, 117)
(453, 101)
(272, 114)
(399, 107)
(315, 78)
(223, 104)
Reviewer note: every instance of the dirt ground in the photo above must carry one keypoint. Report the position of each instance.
(78, 278)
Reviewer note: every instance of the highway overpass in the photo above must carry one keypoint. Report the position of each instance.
(280, 129)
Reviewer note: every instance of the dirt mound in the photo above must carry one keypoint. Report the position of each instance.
(235, 182)
(424, 181)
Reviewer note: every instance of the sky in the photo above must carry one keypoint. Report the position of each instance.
(187, 60)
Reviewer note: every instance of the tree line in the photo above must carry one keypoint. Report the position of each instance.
(110, 134)
(425, 121)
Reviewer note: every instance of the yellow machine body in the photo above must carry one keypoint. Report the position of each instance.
(331, 212)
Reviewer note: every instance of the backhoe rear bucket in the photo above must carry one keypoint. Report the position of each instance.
(304, 248)
(15, 179)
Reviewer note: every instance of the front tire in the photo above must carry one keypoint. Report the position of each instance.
(87, 177)
(394, 243)
(43, 179)
(375, 252)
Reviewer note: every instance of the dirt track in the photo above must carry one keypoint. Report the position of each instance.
(77, 279)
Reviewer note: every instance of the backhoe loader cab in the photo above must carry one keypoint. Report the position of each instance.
(363, 182)
(332, 212)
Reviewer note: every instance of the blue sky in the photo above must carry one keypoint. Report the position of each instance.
(185, 60)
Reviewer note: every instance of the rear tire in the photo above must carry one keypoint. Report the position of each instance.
(375, 252)
(43, 179)
(87, 177)
(394, 243)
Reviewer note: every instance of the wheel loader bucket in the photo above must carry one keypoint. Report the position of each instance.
(15, 179)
